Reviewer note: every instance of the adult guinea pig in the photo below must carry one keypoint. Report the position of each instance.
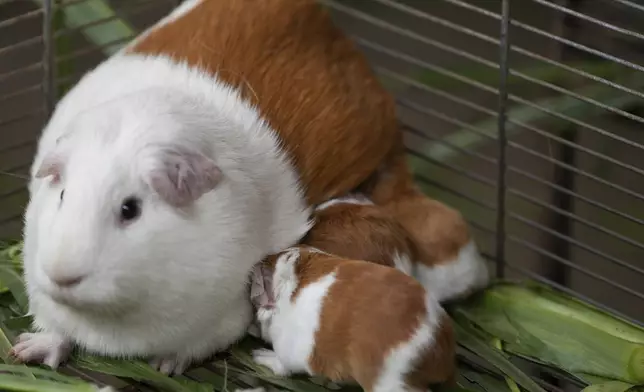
(352, 320)
(354, 227)
(174, 166)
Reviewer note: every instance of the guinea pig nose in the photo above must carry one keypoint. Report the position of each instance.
(67, 281)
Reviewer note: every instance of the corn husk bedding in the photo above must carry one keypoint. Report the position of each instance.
(507, 335)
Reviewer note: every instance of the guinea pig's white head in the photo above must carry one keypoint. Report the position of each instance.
(140, 206)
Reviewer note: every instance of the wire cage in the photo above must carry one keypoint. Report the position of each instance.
(525, 115)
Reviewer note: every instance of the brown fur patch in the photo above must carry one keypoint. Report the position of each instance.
(438, 230)
(307, 79)
(393, 177)
(360, 232)
(311, 267)
(355, 336)
(438, 365)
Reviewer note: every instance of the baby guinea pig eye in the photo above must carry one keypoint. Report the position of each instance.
(62, 194)
(130, 209)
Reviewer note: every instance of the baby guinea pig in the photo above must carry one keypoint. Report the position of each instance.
(351, 321)
(353, 227)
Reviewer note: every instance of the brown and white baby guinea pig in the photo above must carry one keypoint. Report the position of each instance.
(353, 227)
(351, 321)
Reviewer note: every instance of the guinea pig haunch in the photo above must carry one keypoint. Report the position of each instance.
(353, 321)
(452, 264)
(353, 227)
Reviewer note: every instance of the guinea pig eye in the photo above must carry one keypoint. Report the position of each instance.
(130, 209)
(62, 193)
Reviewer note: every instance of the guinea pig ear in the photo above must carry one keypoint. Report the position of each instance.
(261, 286)
(51, 165)
(181, 176)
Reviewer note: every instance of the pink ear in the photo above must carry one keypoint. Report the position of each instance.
(50, 166)
(261, 287)
(181, 177)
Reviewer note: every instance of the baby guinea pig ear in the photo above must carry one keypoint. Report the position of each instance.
(181, 176)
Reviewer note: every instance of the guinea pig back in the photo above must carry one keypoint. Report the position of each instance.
(305, 76)
(353, 227)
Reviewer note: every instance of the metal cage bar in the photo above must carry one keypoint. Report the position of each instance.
(501, 184)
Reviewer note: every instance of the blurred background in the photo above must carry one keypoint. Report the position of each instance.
(573, 207)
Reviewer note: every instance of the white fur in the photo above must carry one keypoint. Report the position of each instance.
(317, 250)
(403, 263)
(292, 325)
(402, 359)
(173, 283)
(456, 278)
(350, 199)
(47, 348)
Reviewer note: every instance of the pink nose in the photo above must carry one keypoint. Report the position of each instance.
(68, 281)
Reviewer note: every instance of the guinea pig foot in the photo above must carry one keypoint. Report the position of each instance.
(170, 365)
(47, 348)
(270, 359)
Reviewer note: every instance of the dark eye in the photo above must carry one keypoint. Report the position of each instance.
(62, 193)
(130, 209)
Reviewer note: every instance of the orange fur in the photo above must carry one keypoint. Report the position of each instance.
(360, 232)
(438, 230)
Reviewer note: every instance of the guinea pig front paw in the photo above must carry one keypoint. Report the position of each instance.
(47, 348)
(270, 359)
(170, 365)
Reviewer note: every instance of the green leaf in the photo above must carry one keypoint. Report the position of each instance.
(572, 336)
(19, 324)
(472, 339)
(219, 382)
(140, 371)
(611, 386)
(480, 381)
(33, 372)
(5, 347)
(11, 382)
(511, 384)
(451, 389)
(292, 384)
(14, 252)
(13, 281)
